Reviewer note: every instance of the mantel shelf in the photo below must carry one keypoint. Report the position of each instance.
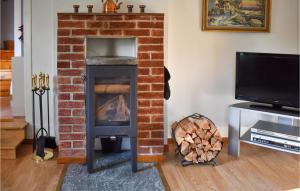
(114, 14)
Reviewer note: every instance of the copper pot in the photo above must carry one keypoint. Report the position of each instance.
(110, 6)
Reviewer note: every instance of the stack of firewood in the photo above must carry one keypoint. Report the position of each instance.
(197, 139)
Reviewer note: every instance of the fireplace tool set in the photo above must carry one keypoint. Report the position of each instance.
(41, 138)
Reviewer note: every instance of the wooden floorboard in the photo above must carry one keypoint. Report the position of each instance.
(25, 174)
(257, 169)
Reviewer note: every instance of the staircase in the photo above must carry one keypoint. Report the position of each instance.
(5, 72)
(12, 128)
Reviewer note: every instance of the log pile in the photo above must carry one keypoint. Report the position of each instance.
(197, 138)
(114, 109)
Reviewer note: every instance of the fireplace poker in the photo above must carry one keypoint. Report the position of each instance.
(49, 140)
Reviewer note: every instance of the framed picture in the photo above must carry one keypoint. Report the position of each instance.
(236, 15)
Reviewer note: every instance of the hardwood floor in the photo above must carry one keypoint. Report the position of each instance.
(256, 169)
(25, 174)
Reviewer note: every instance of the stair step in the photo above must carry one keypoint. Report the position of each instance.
(12, 135)
(4, 82)
(10, 143)
(17, 123)
(5, 88)
(6, 119)
(5, 75)
(5, 94)
(9, 148)
(6, 54)
(5, 64)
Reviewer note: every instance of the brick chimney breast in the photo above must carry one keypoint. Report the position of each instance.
(73, 29)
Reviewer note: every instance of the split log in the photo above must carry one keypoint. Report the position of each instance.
(189, 139)
(199, 140)
(194, 135)
(179, 140)
(174, 125)
(179, 132)
(188, 126)
(111, 88)
(184, 147)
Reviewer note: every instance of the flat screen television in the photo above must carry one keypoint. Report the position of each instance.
(268, 78)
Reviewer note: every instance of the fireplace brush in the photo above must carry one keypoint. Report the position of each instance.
(41, 141)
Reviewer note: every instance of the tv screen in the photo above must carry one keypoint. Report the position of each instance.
(268, 78)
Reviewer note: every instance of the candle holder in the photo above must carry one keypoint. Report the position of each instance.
(142, 8)
(76, 8)
(90, 8)
(130, 7)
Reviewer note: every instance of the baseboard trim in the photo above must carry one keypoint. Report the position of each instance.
(166, 148)
(82, 160)
(151, 158)
(27, 141)
(71, 160)
(170, 141)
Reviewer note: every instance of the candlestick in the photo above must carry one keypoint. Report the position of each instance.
(90, 8)
(44, 81)
(130, 7)
(33, 82)
(76, 8)
(142, 8)
(47, 82)
(41, 81)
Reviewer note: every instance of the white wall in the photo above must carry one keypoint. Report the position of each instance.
(17, 24)
(202, 64)
(18, 91)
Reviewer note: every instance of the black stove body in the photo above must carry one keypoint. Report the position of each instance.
(111, 102)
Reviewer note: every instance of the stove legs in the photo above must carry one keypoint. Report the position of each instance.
(90, 154)
(133, 154)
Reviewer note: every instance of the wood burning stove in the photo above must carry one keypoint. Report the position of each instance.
(111, 102)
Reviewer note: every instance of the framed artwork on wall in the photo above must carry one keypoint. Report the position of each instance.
(236, 15)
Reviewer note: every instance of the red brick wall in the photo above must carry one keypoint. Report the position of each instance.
(71, 33)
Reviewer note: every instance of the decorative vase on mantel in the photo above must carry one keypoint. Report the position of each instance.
(109, 6)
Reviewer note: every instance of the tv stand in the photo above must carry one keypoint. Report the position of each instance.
(235, 110)
(274, 107)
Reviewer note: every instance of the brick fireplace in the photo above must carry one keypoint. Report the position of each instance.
(148, 32)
